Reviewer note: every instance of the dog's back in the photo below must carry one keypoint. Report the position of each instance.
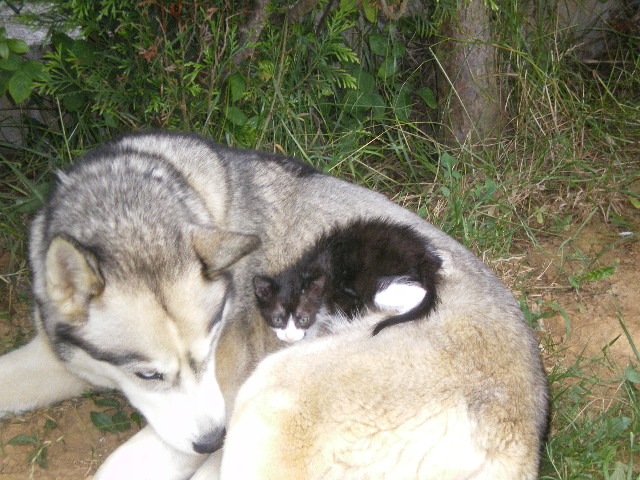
(439, 400)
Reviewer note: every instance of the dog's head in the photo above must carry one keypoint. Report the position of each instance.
(151, 332)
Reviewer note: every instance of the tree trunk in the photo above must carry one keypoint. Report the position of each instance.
(468, 85)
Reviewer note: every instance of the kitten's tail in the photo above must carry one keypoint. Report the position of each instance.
(423, 309)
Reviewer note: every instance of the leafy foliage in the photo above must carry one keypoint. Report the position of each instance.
(148, 56)
(112, 418)
(38, 454)
(171, 65)
(18, 76)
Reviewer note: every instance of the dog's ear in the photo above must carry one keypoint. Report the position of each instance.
(72, 277)
(219, 249)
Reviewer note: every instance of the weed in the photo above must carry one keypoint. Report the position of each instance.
(112, 418)
(17, 74)
(593, 423)
(38, 455)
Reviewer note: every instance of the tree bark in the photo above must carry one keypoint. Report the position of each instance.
(251, 30)
(468, 84)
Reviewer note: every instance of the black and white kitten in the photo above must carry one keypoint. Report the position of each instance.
(290, 305)
(368, 263)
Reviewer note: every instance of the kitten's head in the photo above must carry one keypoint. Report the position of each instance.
(289, 304)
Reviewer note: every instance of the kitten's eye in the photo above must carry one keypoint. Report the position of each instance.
(303, 321)
(278, 322)
(151, 375)
(349, 291)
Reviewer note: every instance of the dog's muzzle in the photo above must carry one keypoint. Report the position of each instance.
(210, 442)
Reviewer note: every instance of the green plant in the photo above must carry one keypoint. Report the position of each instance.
(592, 434)
(38, 455)
(386, 91)
(159, 65)
(18, 76)
(591, 276)
(112, 418)
(292, 82)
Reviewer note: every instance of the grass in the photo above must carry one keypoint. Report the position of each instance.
(594, 421)
(595, 390)
(569, 156)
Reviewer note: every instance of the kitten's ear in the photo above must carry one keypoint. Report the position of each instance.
(316, 287)
(264, 287)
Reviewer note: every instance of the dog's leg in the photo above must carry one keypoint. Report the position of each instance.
(32, 377)
(210, 470)
(146, 457)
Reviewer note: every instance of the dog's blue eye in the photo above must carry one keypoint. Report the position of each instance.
(150, 375)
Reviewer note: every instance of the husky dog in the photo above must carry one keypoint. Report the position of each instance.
(143, 259)
(116, 309)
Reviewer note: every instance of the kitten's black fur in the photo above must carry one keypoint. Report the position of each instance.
(354, 262)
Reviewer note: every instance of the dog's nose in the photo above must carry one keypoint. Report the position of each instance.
(210, 442)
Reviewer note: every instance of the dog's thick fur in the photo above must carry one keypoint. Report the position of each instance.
(142, 265)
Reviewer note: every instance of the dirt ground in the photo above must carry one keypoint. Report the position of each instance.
(593, 317)
(573, 323)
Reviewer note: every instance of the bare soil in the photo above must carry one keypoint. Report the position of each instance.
(598, 312)
(591, 325)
